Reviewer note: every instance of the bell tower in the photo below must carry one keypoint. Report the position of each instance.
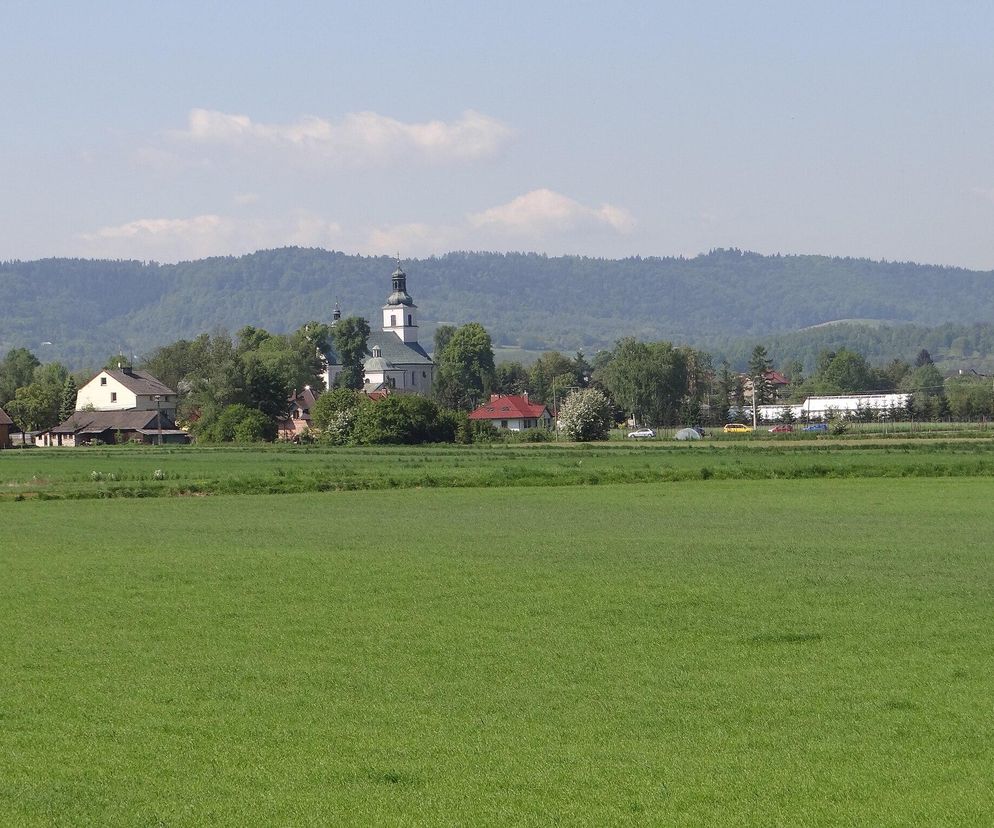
(400, 312)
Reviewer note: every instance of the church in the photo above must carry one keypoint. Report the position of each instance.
(396, 362)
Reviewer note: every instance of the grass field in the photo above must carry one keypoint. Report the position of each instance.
(717, 652)
(147, 471)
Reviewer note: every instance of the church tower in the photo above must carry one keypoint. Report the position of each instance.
(400, 312)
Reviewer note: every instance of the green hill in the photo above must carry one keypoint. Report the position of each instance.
(89, 309)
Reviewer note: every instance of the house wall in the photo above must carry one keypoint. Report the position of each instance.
(4, 436)
(104, 393)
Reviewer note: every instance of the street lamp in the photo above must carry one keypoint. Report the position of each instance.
(158, 415)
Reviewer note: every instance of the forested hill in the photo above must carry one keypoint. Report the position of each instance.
(88, 309)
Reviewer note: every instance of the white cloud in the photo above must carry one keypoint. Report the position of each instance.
(541, 220)
(360, 137)
(175, 239)
(541, 212)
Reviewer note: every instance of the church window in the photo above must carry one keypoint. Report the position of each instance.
(414, 378)
(393, 320)
(410, 319)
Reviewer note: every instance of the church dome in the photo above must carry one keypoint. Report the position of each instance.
(376, 363)
(400, 296)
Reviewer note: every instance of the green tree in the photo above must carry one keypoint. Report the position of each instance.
(334, 415)
(585, 415)
(465, 368)
(351, 337)
(406, 419)
(759, 366)
(647, 381)
(235, 423)
(16, 371)
(68, 404)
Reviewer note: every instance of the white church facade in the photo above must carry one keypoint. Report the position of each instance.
(396, 362)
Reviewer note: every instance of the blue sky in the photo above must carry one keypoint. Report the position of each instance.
(176, 130)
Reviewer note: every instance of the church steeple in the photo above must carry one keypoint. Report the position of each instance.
(398, 312)
(400, 296)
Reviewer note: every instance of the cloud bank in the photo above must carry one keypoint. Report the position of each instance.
(540, 220)
(360, 137)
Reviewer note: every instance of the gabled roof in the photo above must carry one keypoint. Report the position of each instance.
(508, 408)
(5, 418)
(775, 378)
(95, 422)
(392, 349)
(138, 382)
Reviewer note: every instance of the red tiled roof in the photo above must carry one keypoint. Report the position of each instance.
(508, 408)
(776, 378)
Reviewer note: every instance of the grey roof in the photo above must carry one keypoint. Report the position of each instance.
(94, 422)
(5, 418)
(140, 382)
(392, 349)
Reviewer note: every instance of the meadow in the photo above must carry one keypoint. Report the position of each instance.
(767, 651)
(149, 471)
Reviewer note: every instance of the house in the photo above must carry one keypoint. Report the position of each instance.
(119, 406)
(775, 382)
(513, 413)
(298, 422)
(396, 362)
(134, 426)
(126, 389)
(6, 426)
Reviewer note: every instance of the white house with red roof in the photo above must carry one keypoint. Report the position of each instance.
(513, 413)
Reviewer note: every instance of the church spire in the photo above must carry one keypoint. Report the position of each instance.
(400, 296)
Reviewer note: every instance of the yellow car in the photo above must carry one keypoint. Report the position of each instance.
(736, 428)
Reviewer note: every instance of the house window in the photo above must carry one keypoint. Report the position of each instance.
(503, 423)
(113, 396)
(103, 380)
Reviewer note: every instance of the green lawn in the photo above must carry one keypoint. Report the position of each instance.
(147, 471)
(772, 652)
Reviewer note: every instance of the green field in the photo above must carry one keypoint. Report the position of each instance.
(695, 651)
(147, 471)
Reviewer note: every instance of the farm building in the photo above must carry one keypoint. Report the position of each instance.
(113, 427)
(299, 419)
(513, 413)
(6, 425)
(119, 406)
(822, 408)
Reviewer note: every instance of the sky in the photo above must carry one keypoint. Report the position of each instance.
(177, 130)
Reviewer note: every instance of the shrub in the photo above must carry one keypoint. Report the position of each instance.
(585, 415)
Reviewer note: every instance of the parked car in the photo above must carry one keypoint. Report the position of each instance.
(736, 428)
(783, 428)
(816, 427)
(641, 434)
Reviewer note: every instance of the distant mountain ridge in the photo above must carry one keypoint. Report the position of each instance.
(89, 308)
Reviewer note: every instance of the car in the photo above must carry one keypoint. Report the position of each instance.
(783, 428)
(736, 428)
(816, 427)
(641, 434)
